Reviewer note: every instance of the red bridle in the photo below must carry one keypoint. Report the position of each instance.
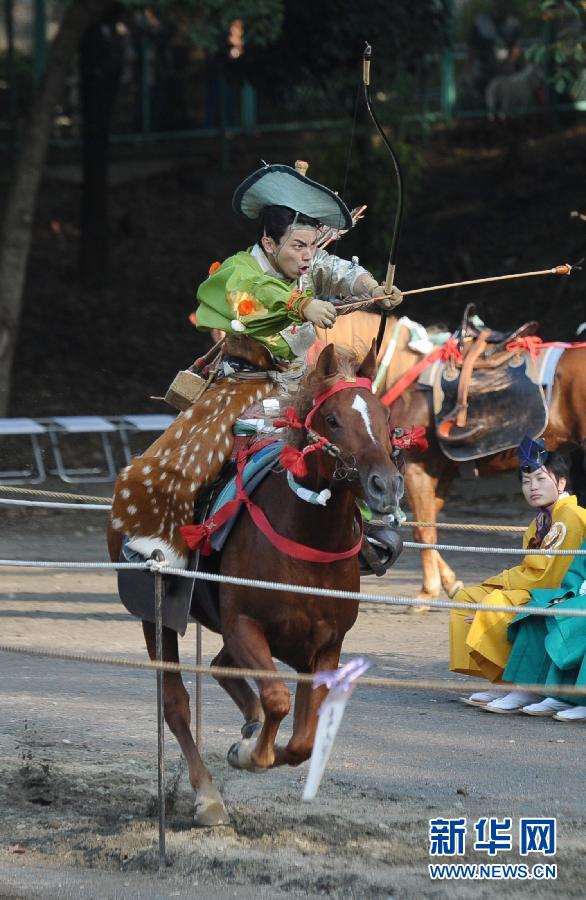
(198, 536)
(294, 460)
(341, 385)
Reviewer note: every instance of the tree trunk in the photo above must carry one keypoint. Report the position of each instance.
(15, 238)
(102, 53)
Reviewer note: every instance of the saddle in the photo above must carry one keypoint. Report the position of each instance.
(136, 588)
(381, 547)
(489, 398)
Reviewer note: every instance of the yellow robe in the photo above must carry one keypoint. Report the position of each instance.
(482, 648)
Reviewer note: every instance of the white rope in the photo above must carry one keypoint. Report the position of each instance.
(382, 599)
(48, 505)
(60, 495)
(514, 551)
(105, 503)
(62, 564)
(268, 674)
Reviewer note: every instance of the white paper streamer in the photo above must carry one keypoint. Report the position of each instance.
(331, 712)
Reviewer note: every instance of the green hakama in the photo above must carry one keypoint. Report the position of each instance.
(552, 650)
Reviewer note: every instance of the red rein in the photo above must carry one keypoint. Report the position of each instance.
(293, 459)
(199, 536)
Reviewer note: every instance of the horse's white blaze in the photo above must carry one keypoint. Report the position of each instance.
(359, 404)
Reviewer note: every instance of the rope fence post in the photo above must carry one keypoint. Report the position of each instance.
(158, 557)
(199, 676)
(198, 689)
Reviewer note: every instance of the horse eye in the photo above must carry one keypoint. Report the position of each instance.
(332, 421)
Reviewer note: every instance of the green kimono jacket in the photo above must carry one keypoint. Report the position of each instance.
(552, 650)
(240, 290)
(265, 306)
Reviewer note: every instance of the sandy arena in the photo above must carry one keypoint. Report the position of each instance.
(78, 748)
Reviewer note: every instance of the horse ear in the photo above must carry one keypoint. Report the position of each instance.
(368, 365)
(327, 363)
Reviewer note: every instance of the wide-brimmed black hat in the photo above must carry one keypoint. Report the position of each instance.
(532, 454)
(279, 185)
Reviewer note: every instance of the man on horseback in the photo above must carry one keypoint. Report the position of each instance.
(265, 300)
(479, 644)
(274, 291)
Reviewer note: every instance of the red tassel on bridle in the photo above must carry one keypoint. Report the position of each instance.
(293, 459)
(289, 419)
(414, 439)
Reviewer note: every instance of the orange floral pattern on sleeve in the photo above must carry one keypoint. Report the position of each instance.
(245, 306)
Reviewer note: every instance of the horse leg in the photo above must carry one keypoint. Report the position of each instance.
(305, 717)
(420, 488)
(247, 644)
(450, 583)
(242, 694)
(209, 806)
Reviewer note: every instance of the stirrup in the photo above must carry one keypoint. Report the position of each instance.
(450, 433)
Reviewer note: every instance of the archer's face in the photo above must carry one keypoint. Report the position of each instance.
(292, 255)
(541, 488)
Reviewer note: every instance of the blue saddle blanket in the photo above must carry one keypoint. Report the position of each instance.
(258, 466)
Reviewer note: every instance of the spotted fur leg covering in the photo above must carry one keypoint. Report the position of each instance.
(155, 494)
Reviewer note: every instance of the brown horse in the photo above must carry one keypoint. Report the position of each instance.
(305, 632)
(428, 477)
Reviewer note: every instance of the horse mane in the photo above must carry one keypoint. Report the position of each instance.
(313, 384)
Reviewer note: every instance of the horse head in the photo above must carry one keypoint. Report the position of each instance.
(351, 426)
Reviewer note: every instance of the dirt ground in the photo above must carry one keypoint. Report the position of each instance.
(78, 750)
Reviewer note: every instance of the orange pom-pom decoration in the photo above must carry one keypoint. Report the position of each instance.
(246, 307)
(214, 267)
(193, 319)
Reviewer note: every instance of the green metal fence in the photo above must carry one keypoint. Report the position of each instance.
(170, 90)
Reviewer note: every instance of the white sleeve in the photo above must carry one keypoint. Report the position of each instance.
(334, 276)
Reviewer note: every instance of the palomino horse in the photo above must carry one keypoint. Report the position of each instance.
(305, 632)
(428, 477)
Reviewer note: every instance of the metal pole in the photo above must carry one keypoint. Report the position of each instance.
(39, 41)
(157, 555)
(247, 108)
(145, 83)
(223, 97)
(198, 676)
(10, 67)
(550, 92)
(447, 69)
(198, 691)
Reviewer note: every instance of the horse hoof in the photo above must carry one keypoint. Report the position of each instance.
(251, 729)
(240, 755)
(209, 809)
(210, 813)
(417, 610)
(454, 588)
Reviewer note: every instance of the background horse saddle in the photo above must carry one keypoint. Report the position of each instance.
(503, 403)
(472, 327)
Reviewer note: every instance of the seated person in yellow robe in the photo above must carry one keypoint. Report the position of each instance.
(479, 645)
